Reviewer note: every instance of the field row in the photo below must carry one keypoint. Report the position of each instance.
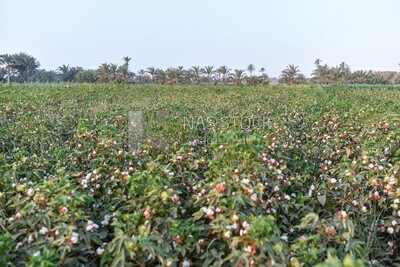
(275, 175)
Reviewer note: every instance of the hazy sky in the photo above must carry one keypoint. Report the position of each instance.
(163, 33)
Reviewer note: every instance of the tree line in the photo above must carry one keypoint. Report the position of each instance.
(24, 68)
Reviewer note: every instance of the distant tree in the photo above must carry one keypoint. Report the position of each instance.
(301, 79)
(251, 69)
(322, 74)
(103, 72)
(110, 72)
(208, 71)
(87, 76)
(14, 67)
(344, 73)
(223, 73)
(124, 75)
(379, 77)
(254, 80)
(264, 77)
(152, 71)
(334, 75)
(141, 76)
(181, 75)
(64, 72)
(160, 77)
(67, 73)
(359, 77)
(238, 76)
(292, 75)
(26, 65)
(19, 67)
(2, 74)
(113, 72)
(396, 79)
(262, 70)
(173, 76)
(341, 73)
(127, 60)
(45, 76)
(196, 72)
(10, 65)
(186, 76)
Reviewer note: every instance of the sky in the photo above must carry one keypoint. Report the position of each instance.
(169, 33)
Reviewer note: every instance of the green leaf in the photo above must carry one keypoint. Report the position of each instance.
(322, 199)
(119, 260)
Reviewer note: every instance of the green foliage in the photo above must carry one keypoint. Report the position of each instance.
(47, 259)
(256, 176)
(6, 246)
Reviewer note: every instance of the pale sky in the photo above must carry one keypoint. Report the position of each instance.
(164, 33)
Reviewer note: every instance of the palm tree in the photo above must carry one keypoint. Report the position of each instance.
(126, 60)
(113, 72)
(250, 69)
(160, 76)
(208, 71)
(152, 72)
(123, 70)
(10, 65)
(195, 72)
(181, 74)
(2, 73)
(301, 78)
(334, 75)
(123, 73)
(173, 75)
(186, 76)
(344, 72)
(86, 76)
(63, 69)
(223, 73)
(264, 76)
(359, 77)
(262, 70)
(291, 75)
(379, 77)
(238, 76)
(396, 78)
(141, 75)
(103, 72)
(67, 73)
(64, 72)
(26, 65)
(44, 76)
(322, 74)
(20, 65)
